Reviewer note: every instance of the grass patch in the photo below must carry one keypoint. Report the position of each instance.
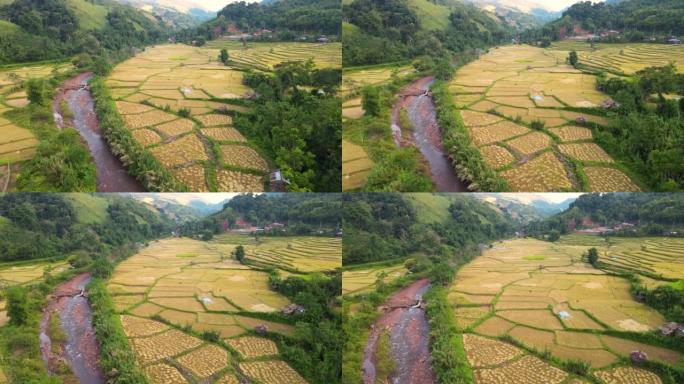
(534, 258)
(187, 254)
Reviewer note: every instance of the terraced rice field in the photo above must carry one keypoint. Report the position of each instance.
(196, 284)
(505, 91)
(353, 80)
(356, 166)
(358, 281)
(302, 254)
(352, 109)
(623, 58)
(267, 55)
(659, 256)
(152, 88)
(543, 295)
(28, 273)
(18, 144)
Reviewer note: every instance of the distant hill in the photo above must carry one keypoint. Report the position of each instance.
(397, 30)
(34, 30)
(519, 14)
(285, 19)
(636, 18)
(176, 14)
(651, 213)
(46, 225)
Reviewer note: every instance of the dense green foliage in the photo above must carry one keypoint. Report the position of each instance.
(385, 226)
(468, 162)
(650, 139)
(45, 225)
(115, 352)
(139, 162)
(297, 128)
(449, 362)
(390, 30)
(316, 348)
(287, 19)
(639, 19)
(51, 29)
(304, 213)
(654, 214)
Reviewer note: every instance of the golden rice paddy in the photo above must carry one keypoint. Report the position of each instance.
(605, 179)
(304, 254)
(358, 281)
(198, 284)
(545, 291)
(539, 87)
(156, 84)
(251, 347)
(243, 156)
(271, 372)
(266, 55)
(356, 166)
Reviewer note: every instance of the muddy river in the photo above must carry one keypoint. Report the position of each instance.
(405, 320)
(426, 136)
(111, 174)
(80, 350)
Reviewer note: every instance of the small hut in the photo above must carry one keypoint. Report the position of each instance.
(638, 357)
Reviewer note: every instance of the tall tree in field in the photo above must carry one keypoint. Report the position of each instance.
(224, 56)
(370, 99)
(573, 59)
(17, 305)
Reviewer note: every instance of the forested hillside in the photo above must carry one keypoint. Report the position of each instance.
(286, 19)
(650, 213)
(302, 213)
(36, 226)
(390, 226)
(639, 19)
(395, 30)
(34, 30)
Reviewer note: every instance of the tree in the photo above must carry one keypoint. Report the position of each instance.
(573, 59)
(17, 305)
(239, 253)
(38, 92)
(554, 235)
(370, 99)
(592, 256)
(206, 236)
(224, 56)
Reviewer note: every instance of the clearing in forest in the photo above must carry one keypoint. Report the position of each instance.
(545, 297)
(519, 104)
(198, 285)
(179, 102)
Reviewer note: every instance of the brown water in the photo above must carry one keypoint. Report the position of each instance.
(111, 174)
(81, 349)
(408, 328)
(427, 135)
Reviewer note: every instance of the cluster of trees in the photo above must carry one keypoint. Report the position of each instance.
(299, 128)
(389, 31)
(385, 226)
(303, 213)
(50, 29)
(287, 19)
(45, 225)
(648, 132)
(655, 213)
(316, 348)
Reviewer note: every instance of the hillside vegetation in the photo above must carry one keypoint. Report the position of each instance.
(397, 30)
(33, 30)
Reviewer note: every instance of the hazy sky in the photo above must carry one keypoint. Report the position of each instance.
(558, 5)
(550, 197)
(216, 5)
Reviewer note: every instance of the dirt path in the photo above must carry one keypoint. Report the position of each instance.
(80, 350)
(427, 136)
(407, 324)
(111, 174)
